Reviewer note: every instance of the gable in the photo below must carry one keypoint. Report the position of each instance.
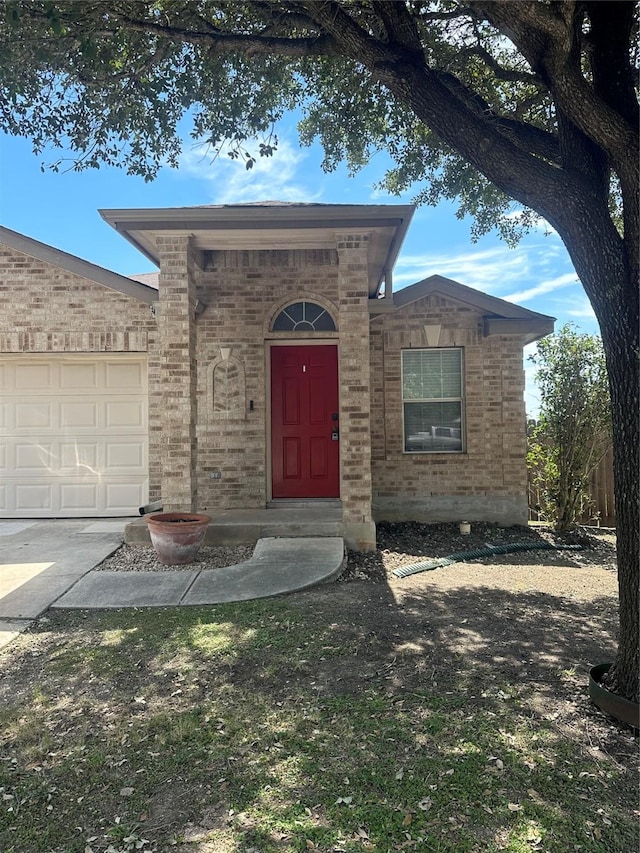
(499, 317)
(77, 266)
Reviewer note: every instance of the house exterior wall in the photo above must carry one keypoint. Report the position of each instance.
(176, 441)
(243, 292)
(488, 480)
(209, 378)
(45, 309)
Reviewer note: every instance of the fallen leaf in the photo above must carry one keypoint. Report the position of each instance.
(514, 807)
(407, 819)
(425, 804)
(126, 792)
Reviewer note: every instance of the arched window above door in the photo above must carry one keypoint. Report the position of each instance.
(304, 317)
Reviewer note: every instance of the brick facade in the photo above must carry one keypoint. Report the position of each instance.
(243, 293)
(488, 480)
(209, 376)
(47, 309)
(176, 441)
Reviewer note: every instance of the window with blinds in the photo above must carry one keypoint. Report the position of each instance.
(432, 398)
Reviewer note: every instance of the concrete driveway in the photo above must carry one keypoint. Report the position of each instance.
(40, 560)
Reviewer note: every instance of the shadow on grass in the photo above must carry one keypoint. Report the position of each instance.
(332, 719)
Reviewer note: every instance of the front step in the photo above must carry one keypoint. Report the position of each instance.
(245, 527)
(310, 503)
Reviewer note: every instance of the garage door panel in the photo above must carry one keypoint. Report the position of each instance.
(35, 458)
(36, 376)
(122, 456)
(119, 496)
(79, 456)
(80, 415)
(125, 374)
(34, 415)
(79, 498)
(79, 376)
(130, 414)
(74, 435)
(34, 497)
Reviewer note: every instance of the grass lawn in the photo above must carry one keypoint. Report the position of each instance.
(339, 719)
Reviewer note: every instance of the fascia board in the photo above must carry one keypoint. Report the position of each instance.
(467, 295)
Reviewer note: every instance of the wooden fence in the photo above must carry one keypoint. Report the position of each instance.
(600, 511)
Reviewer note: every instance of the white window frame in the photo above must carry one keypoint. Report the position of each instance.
(460, 399)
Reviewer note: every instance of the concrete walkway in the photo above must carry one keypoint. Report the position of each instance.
(47, 564)
(276, 567)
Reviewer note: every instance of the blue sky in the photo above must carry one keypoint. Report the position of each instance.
(61, 209)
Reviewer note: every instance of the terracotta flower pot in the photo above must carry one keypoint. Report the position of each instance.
(616, 706)
(177, 536)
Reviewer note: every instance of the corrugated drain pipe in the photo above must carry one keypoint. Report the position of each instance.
(490, 550)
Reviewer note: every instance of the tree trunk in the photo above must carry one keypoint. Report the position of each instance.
(622, 362)
(610, 282)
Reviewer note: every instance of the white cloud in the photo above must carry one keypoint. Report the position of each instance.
(548, 286)
(489, 270)
(229, 182)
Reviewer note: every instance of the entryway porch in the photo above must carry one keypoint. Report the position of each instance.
(281, 518)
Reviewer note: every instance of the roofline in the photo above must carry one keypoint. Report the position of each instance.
(466, 294)
(243, 217)
(77, 266)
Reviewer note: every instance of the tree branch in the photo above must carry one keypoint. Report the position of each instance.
(509, 75)
(321, 45)
(549, 41)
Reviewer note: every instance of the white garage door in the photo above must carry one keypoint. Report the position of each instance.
(73, 435)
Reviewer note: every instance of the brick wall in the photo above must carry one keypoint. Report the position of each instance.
(194, 434)
(243, 292)
(176, 442)
(488, 480)
(355, 391)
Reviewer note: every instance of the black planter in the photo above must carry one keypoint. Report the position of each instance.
(616, 706)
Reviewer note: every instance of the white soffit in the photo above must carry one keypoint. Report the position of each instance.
(270, 226)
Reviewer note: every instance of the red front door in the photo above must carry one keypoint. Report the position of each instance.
(305, 446)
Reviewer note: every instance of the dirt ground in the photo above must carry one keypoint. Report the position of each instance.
(545, 615)
(521, 629)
